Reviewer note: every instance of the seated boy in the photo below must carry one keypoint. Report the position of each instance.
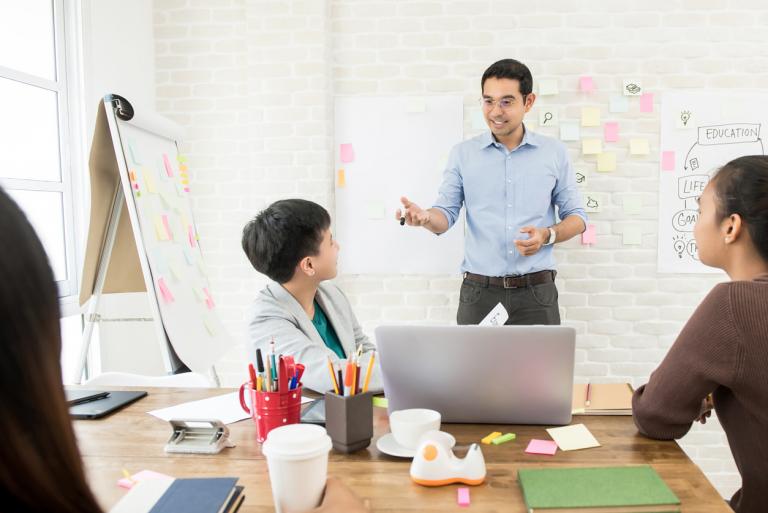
(307, 317)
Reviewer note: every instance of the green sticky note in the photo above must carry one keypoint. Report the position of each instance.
(503, 438)
(381, 402)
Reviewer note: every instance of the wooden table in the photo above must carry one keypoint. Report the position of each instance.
(134, 440)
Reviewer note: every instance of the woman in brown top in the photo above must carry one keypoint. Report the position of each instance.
(723, 349)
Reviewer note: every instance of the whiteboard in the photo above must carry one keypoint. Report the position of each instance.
(705, 130)
(400, 147)
(156, 184)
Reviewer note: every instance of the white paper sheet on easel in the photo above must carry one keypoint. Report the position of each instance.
(225, 408)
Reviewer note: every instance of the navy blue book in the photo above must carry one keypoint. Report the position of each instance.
(203, 495)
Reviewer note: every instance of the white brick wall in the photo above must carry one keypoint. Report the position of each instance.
(253, 81)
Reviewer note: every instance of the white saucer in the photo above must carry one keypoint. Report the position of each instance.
(388, 445)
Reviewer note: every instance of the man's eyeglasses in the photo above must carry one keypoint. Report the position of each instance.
(490, 103)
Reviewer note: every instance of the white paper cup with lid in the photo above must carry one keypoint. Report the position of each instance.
(297, 458)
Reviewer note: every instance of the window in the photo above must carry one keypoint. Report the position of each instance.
(35, 166)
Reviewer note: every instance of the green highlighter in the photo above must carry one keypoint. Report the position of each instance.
(503, 438)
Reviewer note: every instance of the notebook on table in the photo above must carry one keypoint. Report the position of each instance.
(605, 399)
(633, 489)
(193, 495)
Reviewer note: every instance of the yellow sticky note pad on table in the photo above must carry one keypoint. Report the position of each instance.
(590, 116)
(639, 147)
(488, 439)
(591, 146)
(606, 162)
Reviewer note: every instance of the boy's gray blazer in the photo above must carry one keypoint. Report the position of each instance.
(276, 314)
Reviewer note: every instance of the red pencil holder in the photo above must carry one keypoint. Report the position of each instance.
(272, 409)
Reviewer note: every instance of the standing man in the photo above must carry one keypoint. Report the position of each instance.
(510, 180)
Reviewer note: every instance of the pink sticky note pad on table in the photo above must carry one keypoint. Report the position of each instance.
(668, 161)
(462, 496)
(611, 131)
(547, 447)
(167, 164)
(646, 102)
(347, 153)
(144, 475)
(590, 235)
(586, 84)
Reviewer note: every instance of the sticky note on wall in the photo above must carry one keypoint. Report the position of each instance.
(570, 131)
(548, 87)
(589, 236)
(639, 147)
(347, 153)
(618, 104)
(590, 116)
(586, 84)
(160, 231)
(591, 146)
(165, 292)
(611, 131)
(341, 179)
(646, 102)
(167, 165)
(606, 162)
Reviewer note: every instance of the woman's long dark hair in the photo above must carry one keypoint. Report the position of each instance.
(40, 465)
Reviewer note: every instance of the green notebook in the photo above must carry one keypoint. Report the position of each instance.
(604, 489)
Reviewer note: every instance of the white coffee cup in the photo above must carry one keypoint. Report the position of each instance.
(408, 426)
(297, 458)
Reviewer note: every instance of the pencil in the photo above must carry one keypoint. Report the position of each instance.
(333, 376)
(368, 372)
(258, 383)
(589, 395)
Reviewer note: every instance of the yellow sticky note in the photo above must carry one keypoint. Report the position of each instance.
(149, 180)
(590, 116)
(639, 147)
(632, 236)
(210, 326)
(488, 439)
(591, 146)
(341, 179)
(606, 162)
(177, 271)
(160, 232)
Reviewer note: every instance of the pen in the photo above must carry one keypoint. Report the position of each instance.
(402, 220)
(341, 384)
(333, 376)
(259, 361)
(349, 378)
(589, 395)
(368, 372)
(252, 374)
(357, 379)
(268, 373)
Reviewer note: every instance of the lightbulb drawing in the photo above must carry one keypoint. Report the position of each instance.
(679, 245)
(685, 116)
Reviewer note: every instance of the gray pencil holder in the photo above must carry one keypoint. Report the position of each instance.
(349, 421)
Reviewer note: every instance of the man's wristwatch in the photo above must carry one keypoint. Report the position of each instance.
(552, 237)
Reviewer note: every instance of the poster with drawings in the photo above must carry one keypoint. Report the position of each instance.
(700, 132)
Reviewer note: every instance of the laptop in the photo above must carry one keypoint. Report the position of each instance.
(95, 404)
(480, 374)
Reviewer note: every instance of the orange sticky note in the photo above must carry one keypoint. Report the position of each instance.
(341, 180)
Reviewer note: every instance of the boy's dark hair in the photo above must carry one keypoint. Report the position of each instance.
(741, 187)
(511, 69)
(282, 234)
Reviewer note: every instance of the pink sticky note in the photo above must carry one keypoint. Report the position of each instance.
(547, 447)
(667, 160)
(589, 236)
(165, 291)
(167, 164)
(462, 496)
(611, 130)
(144, 475)
(347, 153)
(191, 235)
(646, 102)
(167, 226)
(586, 84)
(209, 298)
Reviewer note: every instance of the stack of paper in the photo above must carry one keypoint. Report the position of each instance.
(604, 399)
